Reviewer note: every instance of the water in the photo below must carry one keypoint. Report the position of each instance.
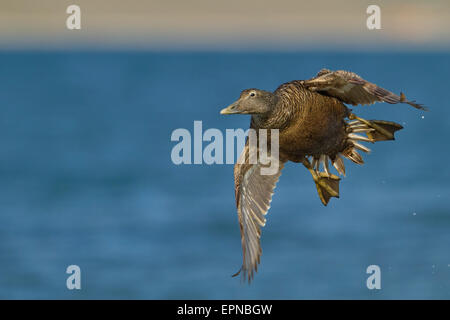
(86, 178)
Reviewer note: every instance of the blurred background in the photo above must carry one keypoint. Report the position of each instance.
(231, 25)
(86, 176)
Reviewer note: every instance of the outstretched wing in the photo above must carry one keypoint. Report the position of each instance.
(351, 88)
(253, 196)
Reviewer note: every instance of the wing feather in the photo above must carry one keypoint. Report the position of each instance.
(352, 89)
(253, 196)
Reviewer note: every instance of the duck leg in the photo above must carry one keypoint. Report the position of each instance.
(376, 130)
(327, 184)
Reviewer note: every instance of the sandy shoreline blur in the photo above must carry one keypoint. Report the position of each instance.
(225, 25)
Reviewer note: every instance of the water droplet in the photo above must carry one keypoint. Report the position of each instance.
(423, 117)
(414, 213)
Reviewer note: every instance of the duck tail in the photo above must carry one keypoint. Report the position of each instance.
(361, 130)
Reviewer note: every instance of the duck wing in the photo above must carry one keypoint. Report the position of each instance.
(253, 192)
(352, 89)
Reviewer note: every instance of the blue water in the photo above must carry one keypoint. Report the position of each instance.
(86, 178)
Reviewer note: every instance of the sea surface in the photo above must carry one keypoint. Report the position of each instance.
(86, 179)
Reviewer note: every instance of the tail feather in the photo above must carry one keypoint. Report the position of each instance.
(338, 164)
(351, 154)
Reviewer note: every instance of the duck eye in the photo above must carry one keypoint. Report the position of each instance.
(252, 94)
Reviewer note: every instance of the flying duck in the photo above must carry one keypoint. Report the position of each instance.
(315, 128)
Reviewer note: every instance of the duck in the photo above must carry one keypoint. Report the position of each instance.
(316, 128)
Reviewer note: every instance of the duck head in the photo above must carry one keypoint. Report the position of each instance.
(252, 101)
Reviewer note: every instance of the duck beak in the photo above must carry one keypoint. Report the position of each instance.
(231, 109)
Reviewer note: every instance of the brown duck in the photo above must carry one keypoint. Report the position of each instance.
(315, 128)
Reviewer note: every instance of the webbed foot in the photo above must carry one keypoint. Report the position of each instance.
(327, 184)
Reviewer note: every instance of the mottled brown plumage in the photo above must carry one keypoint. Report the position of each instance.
(352, 89)
(313, 129)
